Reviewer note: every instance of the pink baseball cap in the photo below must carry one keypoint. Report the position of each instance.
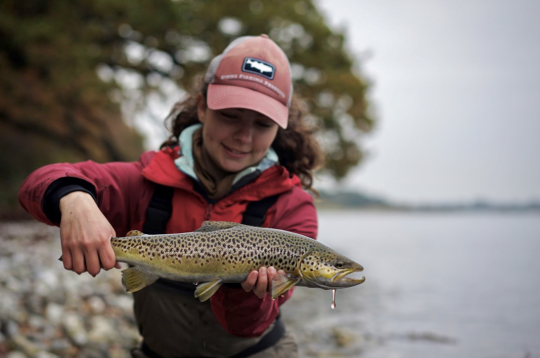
(251, 73)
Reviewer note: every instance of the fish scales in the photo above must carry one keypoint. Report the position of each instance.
(222, 252)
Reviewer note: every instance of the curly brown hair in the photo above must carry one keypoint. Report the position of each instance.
(297, 149)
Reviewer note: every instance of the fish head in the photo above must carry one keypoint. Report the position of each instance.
(327, 270)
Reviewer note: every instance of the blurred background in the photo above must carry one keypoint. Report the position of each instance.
(428, 113)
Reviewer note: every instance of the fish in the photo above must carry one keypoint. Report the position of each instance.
(224, 252)
(260, 66)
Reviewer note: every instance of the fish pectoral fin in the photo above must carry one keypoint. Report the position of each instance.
(283, 283)
(206, 290)
(135, 233)
(135, 279)
(208, 226)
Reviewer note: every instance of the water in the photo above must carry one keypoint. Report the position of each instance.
(437, 285)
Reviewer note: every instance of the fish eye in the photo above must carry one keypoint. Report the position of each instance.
(338, 264)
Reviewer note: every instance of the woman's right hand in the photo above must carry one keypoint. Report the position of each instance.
(85, 234)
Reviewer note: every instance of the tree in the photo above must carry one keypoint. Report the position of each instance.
(68, 68)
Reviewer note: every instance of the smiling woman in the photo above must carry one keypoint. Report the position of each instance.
(238, 144)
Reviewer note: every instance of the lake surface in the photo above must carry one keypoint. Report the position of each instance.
(437, 285)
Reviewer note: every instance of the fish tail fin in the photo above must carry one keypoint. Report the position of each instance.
(206, 290)
(135, 279)
(282, 283)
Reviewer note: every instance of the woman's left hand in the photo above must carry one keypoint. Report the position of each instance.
(260, 282)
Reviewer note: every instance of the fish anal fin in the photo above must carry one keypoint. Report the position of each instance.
(135, 233)
(282, 283)
(207, 289)
(135, 279)
(208, 226)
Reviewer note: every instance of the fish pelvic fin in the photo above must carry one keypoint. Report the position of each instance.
(206, 290)
(134, 279)
(283, 283)
(135, 233)
(208, 226)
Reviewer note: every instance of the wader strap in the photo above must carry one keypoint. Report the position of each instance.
(255, 213)
(159, 210)
(266, 342)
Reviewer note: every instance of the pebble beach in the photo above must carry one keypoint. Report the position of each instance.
(47, 312)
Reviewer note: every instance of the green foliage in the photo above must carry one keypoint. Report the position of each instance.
(66, 68)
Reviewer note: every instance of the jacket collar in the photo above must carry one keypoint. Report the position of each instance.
(161, 169)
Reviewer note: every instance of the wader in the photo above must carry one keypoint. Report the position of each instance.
(171, 319)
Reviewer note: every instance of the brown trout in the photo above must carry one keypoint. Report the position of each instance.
(224, 252)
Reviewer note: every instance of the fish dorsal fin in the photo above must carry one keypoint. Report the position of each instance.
(135, 233)
(216, 226)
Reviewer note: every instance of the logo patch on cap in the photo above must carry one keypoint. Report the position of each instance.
(259, 67)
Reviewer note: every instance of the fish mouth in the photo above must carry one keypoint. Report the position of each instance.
(340, 280)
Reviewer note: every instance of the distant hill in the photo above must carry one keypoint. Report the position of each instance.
(348, 199)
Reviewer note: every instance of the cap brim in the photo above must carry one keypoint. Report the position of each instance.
(223, 96)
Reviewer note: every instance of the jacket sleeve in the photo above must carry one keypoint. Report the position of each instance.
(244, 314)
(117, 187)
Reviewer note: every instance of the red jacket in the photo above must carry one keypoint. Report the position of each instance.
(123, 194)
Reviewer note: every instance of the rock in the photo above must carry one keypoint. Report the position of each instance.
(43, 354)
(16, 354)
(101, 330)
(47, 282)
(24, 345)
(96, 304)
(75, 328)
(54, 313)
(343, 338)
(9, 304)
(12, 328)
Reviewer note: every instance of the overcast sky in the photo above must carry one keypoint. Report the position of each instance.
(457, 93)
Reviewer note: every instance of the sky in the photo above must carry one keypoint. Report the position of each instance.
(456, 90)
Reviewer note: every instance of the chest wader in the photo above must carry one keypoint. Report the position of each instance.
(174, 323)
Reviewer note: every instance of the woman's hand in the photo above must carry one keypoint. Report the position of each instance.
(260, 282)
(85, 234)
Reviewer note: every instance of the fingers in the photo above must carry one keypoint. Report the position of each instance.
(77, 261)
(107, 257)
(250, 282)
(271, 274)
(66, 257)
(92, 263)
(260, 282)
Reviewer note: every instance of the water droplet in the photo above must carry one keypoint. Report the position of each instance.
(333, 299)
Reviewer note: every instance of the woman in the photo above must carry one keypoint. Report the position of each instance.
(240, 140)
